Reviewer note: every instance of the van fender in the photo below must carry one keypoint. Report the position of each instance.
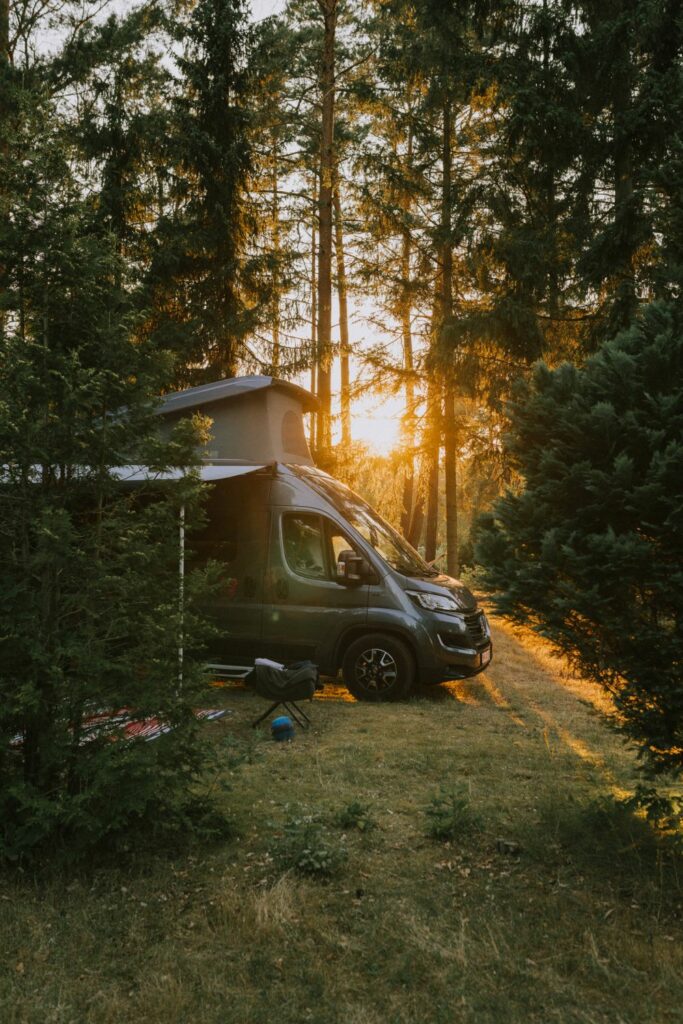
(354, 632)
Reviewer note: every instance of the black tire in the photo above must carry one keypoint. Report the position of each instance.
(378, 667)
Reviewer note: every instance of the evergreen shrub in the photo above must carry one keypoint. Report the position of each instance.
(307, 846)
(90, 614)
(589, 551)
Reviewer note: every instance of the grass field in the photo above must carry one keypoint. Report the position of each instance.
(547, 904)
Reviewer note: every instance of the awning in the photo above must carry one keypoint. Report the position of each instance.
(207, 473)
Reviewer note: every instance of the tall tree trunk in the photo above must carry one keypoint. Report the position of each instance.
(4, 63)
(409, 422)
(408, 363)
(432, 456)
(5, 56)
(313, 439)
(451, 477)
(342, 291)
(446, 313)
(625, 300)
(329, 12)
(417, 515)
(432, 520)
(550, 187)
(275, 357)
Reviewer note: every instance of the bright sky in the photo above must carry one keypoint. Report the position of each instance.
(263, 8)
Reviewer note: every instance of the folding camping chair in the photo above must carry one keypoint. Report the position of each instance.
(285, 685)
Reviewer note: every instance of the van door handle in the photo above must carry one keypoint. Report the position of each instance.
(282, 589)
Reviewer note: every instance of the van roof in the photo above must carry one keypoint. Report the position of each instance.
(233, 387)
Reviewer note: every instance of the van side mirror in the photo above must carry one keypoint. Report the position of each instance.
(352, 567)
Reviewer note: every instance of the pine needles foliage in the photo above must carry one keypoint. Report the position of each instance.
(590, 551)
(90, 618)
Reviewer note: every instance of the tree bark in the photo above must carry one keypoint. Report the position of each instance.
(432, 456)
(408, 363)
(275, 356)
(550, 188)
(451, 478)
(625, 298)
(5, 60)
(446, 314)
(342, 292)
(329, 12)
(5, 55)
(313, 438)
(418, 512)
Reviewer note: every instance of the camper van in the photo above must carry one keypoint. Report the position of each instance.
(311, 570)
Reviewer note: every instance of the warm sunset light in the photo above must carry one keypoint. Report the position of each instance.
(377, 422)
(341, 477)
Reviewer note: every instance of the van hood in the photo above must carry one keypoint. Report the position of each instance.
(461, 594)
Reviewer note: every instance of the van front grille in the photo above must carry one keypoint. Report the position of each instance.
(476, 629)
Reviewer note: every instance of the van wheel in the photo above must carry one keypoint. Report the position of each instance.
(378, 667)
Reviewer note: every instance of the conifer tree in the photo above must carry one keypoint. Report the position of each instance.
(590, 551)
(279, 206)
(89, 589)
(204, 282)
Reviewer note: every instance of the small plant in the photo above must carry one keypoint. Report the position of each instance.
(309, 848)
(354, 815)
(449, 815)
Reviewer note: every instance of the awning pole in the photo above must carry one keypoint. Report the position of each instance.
(181, 593)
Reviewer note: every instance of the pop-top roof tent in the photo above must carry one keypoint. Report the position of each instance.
(255, 420)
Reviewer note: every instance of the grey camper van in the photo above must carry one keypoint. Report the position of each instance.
(311, 570)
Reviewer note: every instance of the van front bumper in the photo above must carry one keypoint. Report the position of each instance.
(462, 662)
(453, 657)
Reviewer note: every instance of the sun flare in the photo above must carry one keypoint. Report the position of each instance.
(376, 422)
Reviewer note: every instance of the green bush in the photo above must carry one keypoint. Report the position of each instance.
(590, 551)
(450, 816)
(354, 815)
(307, 846)
(89, 589)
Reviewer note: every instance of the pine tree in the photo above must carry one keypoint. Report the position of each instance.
(590, 551)
(205, 282)
(279, 205)
(391, 194)
(89, 589)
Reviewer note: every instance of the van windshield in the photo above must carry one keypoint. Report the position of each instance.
(386, 541)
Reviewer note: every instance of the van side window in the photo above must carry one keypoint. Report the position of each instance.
(220, 536)
(304, 545)
(293, 437)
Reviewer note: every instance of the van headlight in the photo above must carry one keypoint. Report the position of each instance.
(433, 602)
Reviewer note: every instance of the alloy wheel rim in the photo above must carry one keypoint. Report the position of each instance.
(376, 670)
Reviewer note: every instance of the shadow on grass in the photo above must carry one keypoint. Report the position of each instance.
(462, 691)
(605, 844)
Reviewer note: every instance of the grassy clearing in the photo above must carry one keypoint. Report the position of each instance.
(548, 904)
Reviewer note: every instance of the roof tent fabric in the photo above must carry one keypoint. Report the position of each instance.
(143, 474)
(252, 419)
(233, 387)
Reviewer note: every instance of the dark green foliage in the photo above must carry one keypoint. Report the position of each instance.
(307, 846)
(203, 283)
(354, 815)
(590, 552)
(89, 588)
(450, 816)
